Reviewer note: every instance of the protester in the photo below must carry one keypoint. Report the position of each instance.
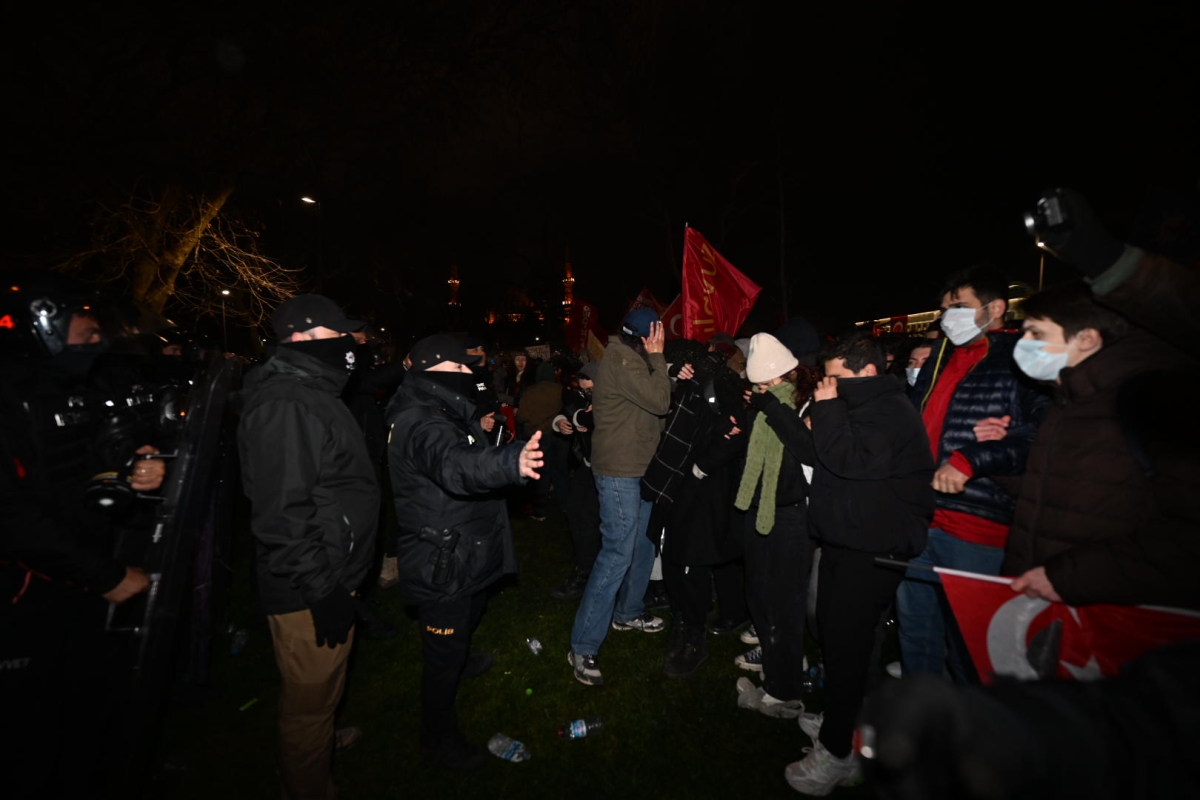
(576, 421)
(517, 379)
(970, 376)
(1107, 510)
(540, 404)
(693, 479)
(632, 395)
(314, 510)
(773, 491)
(455, 539)
(870, 497)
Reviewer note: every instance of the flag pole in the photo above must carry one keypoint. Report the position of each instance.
(979, 576)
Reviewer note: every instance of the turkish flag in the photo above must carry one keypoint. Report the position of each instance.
(672, 319)
(716, 297)
(1014, 636)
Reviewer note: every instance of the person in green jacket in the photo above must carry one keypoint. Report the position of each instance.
(630, 401)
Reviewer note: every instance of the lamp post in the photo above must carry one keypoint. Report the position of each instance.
(320, 236)
(224, 331)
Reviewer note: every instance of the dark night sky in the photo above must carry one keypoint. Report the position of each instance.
(492, 135)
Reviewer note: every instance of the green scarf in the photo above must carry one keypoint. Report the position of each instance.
(764, 455)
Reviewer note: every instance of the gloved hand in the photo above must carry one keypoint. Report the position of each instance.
(1082, 242)
(761, 401)
(333, 617)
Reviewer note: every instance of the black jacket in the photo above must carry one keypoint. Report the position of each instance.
(995, 387)
(871, 483)
(789, 426)
(446, 477)
(313, 496)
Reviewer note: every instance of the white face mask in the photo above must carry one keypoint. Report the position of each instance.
(1034, 361)
(912, 373)
(959, 325)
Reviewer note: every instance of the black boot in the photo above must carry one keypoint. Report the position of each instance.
(656, 597)
(574, 586)
(676, 642)
(373, 627)
(690, 657)
(455, 753)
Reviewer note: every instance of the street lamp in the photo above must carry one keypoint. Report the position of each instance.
(224, 330)
(312, 201)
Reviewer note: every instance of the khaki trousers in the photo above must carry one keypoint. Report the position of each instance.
(313, 680)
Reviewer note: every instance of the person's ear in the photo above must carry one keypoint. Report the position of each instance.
(1088, 341)
(870, 371)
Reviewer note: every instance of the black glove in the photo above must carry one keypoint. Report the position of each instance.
(762, 401)
(333, 617)
(1081, 241)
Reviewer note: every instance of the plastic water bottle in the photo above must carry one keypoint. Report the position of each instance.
(579, 728)
(239, 640)
(507, 748)
(535, 646)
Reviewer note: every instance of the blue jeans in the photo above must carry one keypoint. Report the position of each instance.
(621, 573)
(930, 641)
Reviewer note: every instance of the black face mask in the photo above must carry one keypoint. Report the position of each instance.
(462, 383)
(337, 353)
(76, 360)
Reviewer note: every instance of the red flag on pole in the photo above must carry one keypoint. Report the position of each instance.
(672, 319)
(646, 299)
(716, 297)
(581, 318)
(1014, 636)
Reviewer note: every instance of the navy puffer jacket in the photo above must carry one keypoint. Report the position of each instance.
(995, 387)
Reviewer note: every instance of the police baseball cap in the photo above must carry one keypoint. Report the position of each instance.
(433, 350)
(307, 311)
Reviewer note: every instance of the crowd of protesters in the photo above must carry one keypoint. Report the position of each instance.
(780, 483)
(789, 488)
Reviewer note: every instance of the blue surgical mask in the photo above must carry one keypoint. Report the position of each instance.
(1034, 361)
(911, 373)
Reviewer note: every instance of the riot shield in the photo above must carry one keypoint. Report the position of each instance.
(155, 618)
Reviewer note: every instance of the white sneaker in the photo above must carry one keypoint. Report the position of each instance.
(749, 695)
(894, 669)
(780, 709)
(819, 773)
(811, 724)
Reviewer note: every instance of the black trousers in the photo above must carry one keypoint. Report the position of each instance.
(446, 629)
(64, 682)
(854, 593)
(776, 587)
(583, 517)
(691, 591)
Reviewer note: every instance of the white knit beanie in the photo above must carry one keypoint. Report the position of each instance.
(768, 359)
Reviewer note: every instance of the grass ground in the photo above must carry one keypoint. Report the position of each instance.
(664, 738)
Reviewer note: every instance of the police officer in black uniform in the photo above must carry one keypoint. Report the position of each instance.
(71, 467)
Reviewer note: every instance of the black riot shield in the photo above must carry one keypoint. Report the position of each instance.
(192, 500)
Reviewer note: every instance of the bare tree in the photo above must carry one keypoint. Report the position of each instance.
(185, 251)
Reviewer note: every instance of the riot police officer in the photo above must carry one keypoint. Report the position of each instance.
(71, 468)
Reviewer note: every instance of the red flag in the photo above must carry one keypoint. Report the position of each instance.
(673, 319)
(646, 299)
(716, 297)
(581, 318)
(1014, 636)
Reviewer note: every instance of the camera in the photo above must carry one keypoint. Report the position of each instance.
(1049, 213)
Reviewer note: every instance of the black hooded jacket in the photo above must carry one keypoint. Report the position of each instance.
(871, 482)
(446, 477)
(311, 483)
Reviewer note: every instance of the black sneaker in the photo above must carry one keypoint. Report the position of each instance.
(691, 657)
(724, 628)
(477, 664)
(586, 671)
(573, 588)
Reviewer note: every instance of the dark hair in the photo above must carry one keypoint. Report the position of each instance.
(805, 379)
(986, 281)
(857, 350)
(1073, 306)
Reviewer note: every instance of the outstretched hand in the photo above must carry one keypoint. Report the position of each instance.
(531, 457)
(654, 342)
